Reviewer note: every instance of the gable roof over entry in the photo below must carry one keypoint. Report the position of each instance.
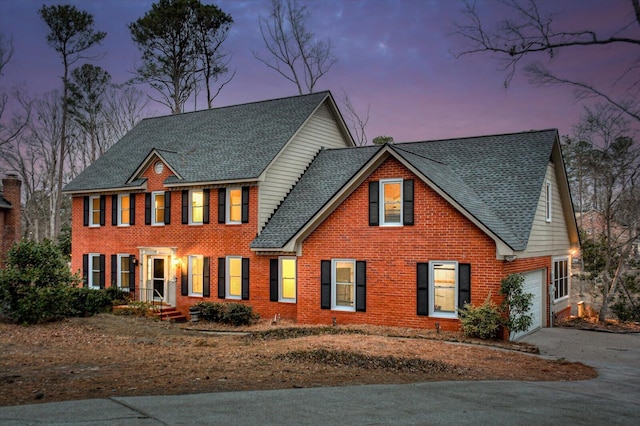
(495, 181)
(218, 145)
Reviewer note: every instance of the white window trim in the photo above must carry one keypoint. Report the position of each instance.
(191, 221)
(554, 278)
(381, 198)
(190, 275)
(153, 207)
(280, 297)
(548, 201)
(91, 211)
(227, 278)
(432, 292)
(228, 207)
(333, 286)
(119, 279)
(120, 196)
(90, 272)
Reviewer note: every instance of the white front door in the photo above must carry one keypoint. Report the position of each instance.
(155, 278)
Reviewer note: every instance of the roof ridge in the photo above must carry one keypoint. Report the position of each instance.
(477, 137)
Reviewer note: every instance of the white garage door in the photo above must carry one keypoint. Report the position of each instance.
(533, 283)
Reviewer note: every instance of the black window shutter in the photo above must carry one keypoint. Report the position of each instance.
(273, 280)
(374, 203)
(221, 281)
(184, 278)
(102, 267)
(85, 270)
(86, 211)
(206, 277)
(245, 204)
(185, 206)
(205, 206)
(325, 284)
(361, 286)
(245, 278)
(464, 284)
(167, 207)
(114, 210)
(103, 202)
(147, 208)
(132, 209)
(114, 270)
(407, 202)
(132, 272)
(222, 198)
(423, 289)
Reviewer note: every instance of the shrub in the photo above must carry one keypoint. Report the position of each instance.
(516, 304)
(85, 301)
(135, 308)
(213, 312)
(484, 321)
(626, 312)
(117, 296)
(227, 313)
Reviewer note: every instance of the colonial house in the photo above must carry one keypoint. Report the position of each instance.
(9, 214)
(271, 204)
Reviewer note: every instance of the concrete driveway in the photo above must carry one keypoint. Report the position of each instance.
(612, 398)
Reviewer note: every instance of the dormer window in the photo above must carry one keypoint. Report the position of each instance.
(391, 202)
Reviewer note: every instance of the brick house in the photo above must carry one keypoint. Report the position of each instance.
(272, 200)
(9, 214)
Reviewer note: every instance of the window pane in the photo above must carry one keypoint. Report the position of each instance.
(444, 285)
(392, 202)
(344, 284)
(159, 208)
(235, 277)
(124, 271)
(124, 209)
(95, 271)
(288, 271)
(95, 211)
(196, 274)
(197, 202)
(235, 205)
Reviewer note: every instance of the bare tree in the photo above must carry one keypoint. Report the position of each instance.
(358, 124)
(11, 128)
(530, 33)
(293, 51)
(6, 51)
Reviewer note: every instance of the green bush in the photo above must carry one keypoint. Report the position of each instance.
(85, 301)
(227, 313)
(516, 304)
(117, 296)
(626, 312)
(484, 321)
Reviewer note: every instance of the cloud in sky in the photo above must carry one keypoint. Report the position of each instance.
(394, 57)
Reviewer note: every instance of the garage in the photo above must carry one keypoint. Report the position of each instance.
(534, 283)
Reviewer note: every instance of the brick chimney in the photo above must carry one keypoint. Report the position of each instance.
(9, 213)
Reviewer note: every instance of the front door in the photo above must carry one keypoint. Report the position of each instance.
(158, 276)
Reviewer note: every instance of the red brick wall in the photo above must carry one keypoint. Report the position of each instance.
(10, 218)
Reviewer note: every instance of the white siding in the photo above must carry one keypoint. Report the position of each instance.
(548, 238)
(321, 130)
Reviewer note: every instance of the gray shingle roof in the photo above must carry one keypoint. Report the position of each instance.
(496, 179)
(229, 143)
(4, 204)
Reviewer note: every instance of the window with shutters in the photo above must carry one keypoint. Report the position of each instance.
(287, 279)
(443, 285)
(234, 205)
(94, 273)
(196, 207)
(391, 202)
(343, 283)
(94, 211)
(124, 210)
(124, 272)
(560, 278)
(158, 205)
(196, 275)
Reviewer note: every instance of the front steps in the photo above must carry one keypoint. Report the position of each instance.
(167, 313)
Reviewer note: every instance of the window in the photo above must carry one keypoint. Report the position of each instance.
(547, 205)
(234, 278)
(93, 270)
(196, 203)
(124, 273)
(443, 285)
(158, 208)
(560, 278)
(287, 279)
(234, 205)
(343, 285)
(94, 211)
(124, 210)
(391, 205)
(196, 276)
(391, 202)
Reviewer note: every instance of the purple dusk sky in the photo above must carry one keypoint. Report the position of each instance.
(394, 57)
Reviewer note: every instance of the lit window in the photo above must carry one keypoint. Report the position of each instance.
(124, 273)
(234, 278)
(343, 285)
(94, 211)
(196, 213)
(391, 205)
(234, 205)
(158, 208)
(95, 272)
(287, 279)
(560, 278)
(124, 210)
(548, 201)
(196, 275)
(443, 285)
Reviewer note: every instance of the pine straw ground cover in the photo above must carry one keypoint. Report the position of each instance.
(109, 355)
